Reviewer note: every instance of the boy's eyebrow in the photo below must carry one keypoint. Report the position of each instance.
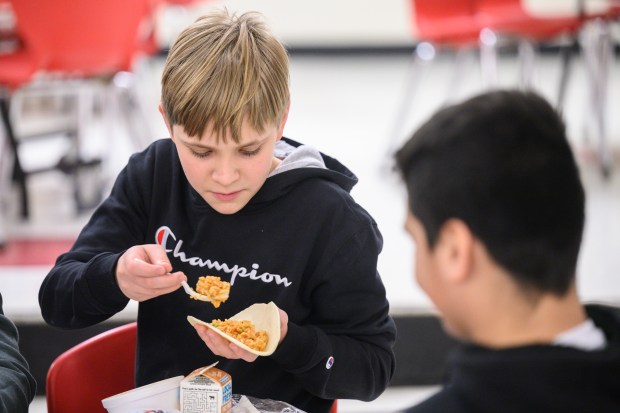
(256, 141)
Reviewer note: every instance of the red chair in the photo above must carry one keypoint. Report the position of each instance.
(470, 23)
(511, 18)
(455, 25)
(63, 45)
(100, 367)
(531, 24)
(445, 21)
(436, 26)
(56, 36)
(452, 25)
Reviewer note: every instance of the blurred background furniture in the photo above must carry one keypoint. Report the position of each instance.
(511, 19)
(441, 26)
(68, 56)
(575, 26)
(486, 26)
(99, 367)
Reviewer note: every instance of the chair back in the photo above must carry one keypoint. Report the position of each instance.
(512, 18)
(99, 367)
(445, 21)
(82, 37)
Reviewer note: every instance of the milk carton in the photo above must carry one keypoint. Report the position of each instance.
(206, 390)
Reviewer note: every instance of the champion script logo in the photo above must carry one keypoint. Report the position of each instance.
(166, 238)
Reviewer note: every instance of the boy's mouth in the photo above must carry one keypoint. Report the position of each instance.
(226, 196)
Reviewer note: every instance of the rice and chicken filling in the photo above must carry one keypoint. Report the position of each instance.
(243, 331)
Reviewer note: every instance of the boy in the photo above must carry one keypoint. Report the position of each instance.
(228, 196)
(496, 210)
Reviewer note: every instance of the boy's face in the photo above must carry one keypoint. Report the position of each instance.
(430, 275)
(225, 173)
(424, 268)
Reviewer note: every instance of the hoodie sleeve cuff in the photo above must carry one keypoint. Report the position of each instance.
(102, 286)
(292, 353)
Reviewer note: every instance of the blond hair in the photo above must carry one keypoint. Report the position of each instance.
(222, 70)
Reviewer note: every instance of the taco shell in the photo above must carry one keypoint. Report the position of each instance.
(264, 317)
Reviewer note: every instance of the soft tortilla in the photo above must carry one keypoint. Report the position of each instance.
(264, 316)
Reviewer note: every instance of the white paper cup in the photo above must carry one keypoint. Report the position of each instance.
(161, 395)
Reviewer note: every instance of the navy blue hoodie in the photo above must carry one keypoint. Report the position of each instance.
(301, 242)
(535, 378)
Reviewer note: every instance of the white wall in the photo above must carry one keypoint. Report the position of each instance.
(325, 23)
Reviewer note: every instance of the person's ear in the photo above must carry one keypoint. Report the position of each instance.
(283, 121)
(163, 115)
(454, 251)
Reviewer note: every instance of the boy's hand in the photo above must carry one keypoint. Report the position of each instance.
(224, 348)
(283, 324)
(143, 272)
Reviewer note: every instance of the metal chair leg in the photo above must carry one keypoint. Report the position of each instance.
(19, 176)
(488, 58)
(566, 60)
(527, 56)
(423, 53)
(597, 52)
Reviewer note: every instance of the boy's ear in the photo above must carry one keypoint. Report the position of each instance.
(454, 251)
(283, 122)
(163, 115)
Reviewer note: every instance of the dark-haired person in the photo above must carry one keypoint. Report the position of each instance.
(496, 210)
(17, 386)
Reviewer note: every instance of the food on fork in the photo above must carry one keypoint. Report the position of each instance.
(213, 288)
(243, 331)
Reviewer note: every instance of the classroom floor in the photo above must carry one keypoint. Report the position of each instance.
(345, 105)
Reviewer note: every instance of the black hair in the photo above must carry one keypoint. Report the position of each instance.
(501, 163)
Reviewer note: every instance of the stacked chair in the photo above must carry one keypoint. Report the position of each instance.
(69, 52)
(481, 26)
(586, 24)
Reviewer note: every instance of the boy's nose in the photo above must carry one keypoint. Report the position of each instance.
(225, 173)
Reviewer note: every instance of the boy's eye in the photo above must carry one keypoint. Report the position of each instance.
(200, 154)
(247, 152)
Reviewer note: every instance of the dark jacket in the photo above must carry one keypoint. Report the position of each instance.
(535, 379)
(301, 242)
(17, 386)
